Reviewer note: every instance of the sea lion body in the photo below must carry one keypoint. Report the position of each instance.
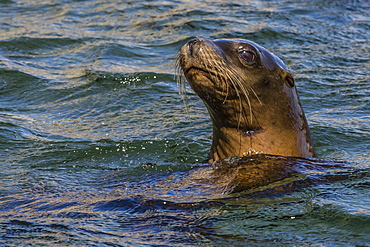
(250, 96)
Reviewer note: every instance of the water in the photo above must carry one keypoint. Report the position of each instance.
(89, 103)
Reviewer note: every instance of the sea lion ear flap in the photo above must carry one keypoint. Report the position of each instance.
(289, 80)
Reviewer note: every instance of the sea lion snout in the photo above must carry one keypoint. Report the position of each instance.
(198, 49)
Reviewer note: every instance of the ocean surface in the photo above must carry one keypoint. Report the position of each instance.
(98, 148)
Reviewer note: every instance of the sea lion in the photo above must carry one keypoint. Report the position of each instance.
(250, 96)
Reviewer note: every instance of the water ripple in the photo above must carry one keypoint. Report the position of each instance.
(89, 105)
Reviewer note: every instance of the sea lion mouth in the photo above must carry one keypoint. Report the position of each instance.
(194, 69)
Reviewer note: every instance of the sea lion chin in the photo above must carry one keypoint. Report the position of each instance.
(250, 96)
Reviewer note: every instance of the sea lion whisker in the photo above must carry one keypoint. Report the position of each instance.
(226, 78)
(214, 70)
(219, 68)
(223, 73)
(237, 82)
(247, 98)
(208, 66)
(225, 85)
(245, 92)
(181, 82)
(234, 84)
(255, 94)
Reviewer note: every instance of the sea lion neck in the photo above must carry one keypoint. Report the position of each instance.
(250, 96)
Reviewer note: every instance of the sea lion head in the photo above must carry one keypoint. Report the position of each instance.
(250, 96)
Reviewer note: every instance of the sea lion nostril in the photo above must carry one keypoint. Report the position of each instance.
(193, 41)
(191, 44)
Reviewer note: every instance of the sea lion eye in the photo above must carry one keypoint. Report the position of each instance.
(247, 56)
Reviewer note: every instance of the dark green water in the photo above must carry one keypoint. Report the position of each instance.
(87, 95)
